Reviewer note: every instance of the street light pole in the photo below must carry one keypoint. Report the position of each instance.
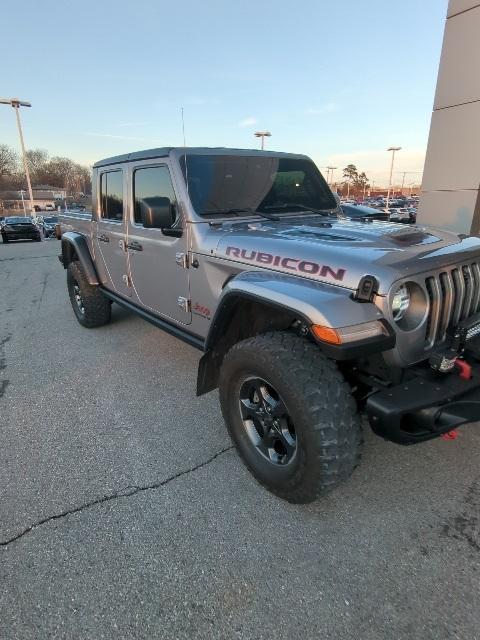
(404, 173)
(331, 170)
(263, 135)
(392, 149)
(23, 201)
(16, 104)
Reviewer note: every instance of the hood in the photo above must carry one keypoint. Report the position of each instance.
(342, 251)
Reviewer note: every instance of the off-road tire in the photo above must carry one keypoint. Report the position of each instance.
(97, 309)
(319, 401)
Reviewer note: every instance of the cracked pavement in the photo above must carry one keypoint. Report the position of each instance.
(124, 512)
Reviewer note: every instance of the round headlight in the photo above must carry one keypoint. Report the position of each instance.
(400, 302)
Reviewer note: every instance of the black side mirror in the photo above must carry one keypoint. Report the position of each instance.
(157, 213)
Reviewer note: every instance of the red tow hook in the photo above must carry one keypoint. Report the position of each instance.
(465, 373)
(465, 370)
(450, 435)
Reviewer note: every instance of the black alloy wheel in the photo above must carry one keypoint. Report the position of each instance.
(267, 421)
(77, 295)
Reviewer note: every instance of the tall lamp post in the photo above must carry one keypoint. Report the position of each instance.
(16, 104)
(392, 149)
(263, 135)
(331, 170)
(23, 202)
(404, 173)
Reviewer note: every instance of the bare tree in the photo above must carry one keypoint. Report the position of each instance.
(37, 161)
(8, 160)
(60, 172)
(56, 172)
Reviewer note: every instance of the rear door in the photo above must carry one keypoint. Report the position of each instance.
(158, 260)
(110, 236)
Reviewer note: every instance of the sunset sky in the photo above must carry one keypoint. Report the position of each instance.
(339, 81)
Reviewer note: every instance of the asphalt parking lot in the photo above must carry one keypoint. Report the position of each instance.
(124, 512)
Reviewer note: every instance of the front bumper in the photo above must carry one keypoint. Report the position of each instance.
(426, 406)
(23, 236)
(30, 233)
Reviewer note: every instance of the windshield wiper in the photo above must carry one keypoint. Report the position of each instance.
(241, 210)
(296, 205)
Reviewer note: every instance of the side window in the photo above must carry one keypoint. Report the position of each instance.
(152, 182)
(111, 195)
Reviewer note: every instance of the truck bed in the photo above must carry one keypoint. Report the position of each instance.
(79, 221)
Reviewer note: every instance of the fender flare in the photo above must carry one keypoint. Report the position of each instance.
(309, 302)
(214, 350)
(75, 243)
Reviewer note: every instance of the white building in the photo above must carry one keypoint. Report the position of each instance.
(451, 179)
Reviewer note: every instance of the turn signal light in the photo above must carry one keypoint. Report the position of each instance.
(354, 333)
(326, 334)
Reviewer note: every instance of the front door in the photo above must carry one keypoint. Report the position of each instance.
(110, 233)
(157, 266)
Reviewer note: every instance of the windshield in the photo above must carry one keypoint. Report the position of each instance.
(236, 184)
(16, 219)
(50, 219)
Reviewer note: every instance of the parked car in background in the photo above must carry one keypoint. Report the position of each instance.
(361, 212)
(49, 207)
(48, 225)
(20, 228)
(402, 214)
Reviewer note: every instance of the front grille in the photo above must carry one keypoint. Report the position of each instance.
(454, 296)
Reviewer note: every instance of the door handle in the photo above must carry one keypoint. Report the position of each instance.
(135, 246)
(103, 238)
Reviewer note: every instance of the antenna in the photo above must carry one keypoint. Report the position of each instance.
(183, 129)
(185, 153)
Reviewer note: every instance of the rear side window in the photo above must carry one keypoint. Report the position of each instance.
(111, 195)
(152, 182)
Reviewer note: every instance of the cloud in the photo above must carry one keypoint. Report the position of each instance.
(247, 122)
(110, 135)
(328, 107)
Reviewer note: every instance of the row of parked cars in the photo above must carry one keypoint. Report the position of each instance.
(27, 227)
(402, 210)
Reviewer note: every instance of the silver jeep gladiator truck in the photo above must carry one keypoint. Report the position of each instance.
(307, 322)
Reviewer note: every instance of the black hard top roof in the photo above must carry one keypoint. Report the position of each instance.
(162, 152)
